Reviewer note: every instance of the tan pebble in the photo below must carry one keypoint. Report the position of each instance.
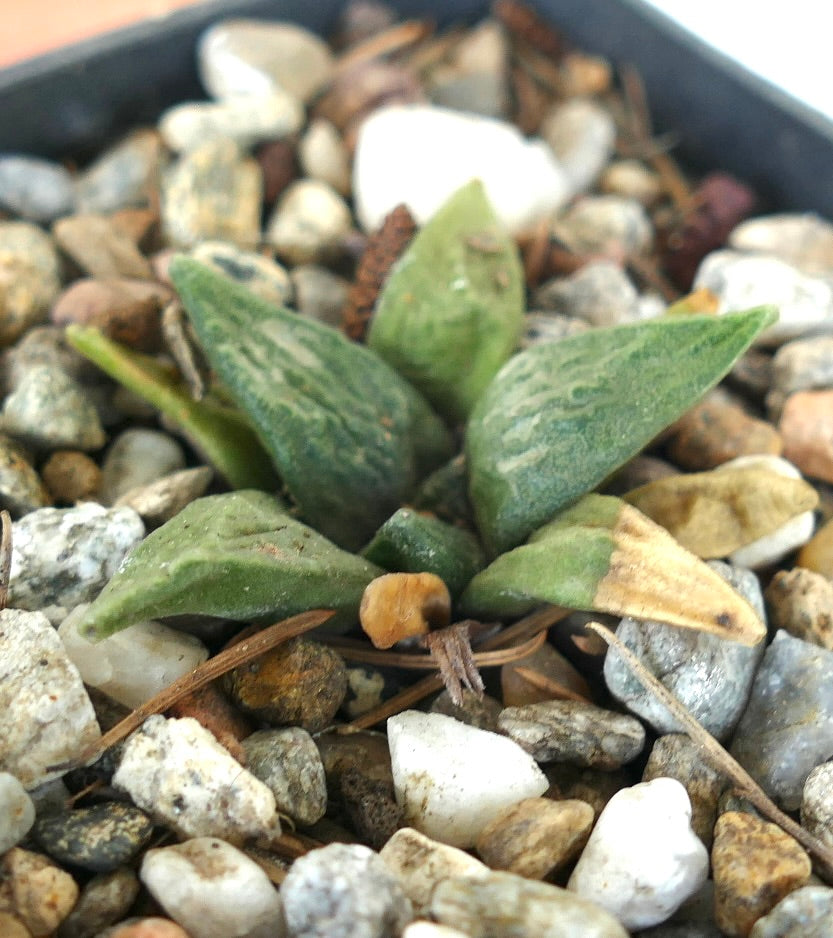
(517, 691)
(141, 225)
(126, 311)
(806, 427)
(71, 476)
(536, 837)
(158, 501)
(584, 74)
(755, 864)
(801, 602)
(212, 709)
(99, 248)
(633, 180)
(12, 927)
(817, 553)
(718, 430)
(39, 893)
(153, 927)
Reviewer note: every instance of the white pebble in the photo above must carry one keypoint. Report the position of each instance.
(47, 715)
(17, 812)
(803, 240)
(741, 281)
(421, 155)
(309, 222)
(606, 224)
(582, 134)
(110, 664)
(178, 772)
(775, 546)
(323, 155)
(213, 890)
(643, 860)
(453, 779)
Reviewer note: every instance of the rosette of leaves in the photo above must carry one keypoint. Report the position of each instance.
(352, 441)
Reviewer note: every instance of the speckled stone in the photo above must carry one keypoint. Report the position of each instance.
(817, 803)
(212, 193)
(309, 223)
(607, 224)
(755, 865)
(17, 812)
(29, 275)
(35, 189)
(343, 891)
(47, 715)
(301, 683)
(571, 731)
(21, 488)
(582, 134)
(177, 772)
(481, 712)
(288, 762)
(62, 557)
(366, 751)
(125, 175)
(136, 457)
(787, 727)
(536, 837)
(805, 913)
(104, 900)
(801, 602)
(680, 658)
(158, 501)
(49, 410)
(371, 807)
(502, 904)
(261, 275)
(599, 293)
(39, 893)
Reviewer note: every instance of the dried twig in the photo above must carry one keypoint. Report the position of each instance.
(398, 37)
(717, 755)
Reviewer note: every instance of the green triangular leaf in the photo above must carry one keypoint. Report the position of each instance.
(451, 311)
(561, 416)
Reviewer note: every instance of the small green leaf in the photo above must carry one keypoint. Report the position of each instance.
(561, 416)
(451, 311)
(409, 542)
(350, 438)
(220, 433)
(237, 555)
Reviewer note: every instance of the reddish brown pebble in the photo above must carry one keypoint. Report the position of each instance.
(71, 476)
(806, 427)
(145, 928)
(717, 430)
(524, 23)
(211, 708)
(279, 167)
(754, 864)
(127, 311)
(801, 602)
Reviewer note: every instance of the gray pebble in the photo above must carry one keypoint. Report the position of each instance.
(502, 904)
(46, 345)
(709, 675)
(21, 488)
(212, 193)
(582, 134)
(30, 272)
(599, 293)
(477, 93)
(261, 275)
(17, 812)
(100, 838)
(343, 891)
(571, 731)
(817, 803)
(35, 189)
(62, 557)
(157, 502)
(309, 223)
(787, 727)
(605, 223)
(104, 900)
(138, 457)
(47, 715)
(550, 327)
(319, 293)
(800, 365)
(49, 410)
(804, 913)
(124, 176)
(287, 760)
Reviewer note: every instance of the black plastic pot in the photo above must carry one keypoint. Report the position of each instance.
(73, 101)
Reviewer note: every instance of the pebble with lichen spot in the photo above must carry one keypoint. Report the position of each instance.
(21, 489)
(807, 429)
(582, 134)
(801, 602)
(343, 891)
(153, 927)
(213, 890)
(178, 772)
(125, 175)
(420, 863)
(136, 457)
(537, 837)
(805, 913)
(501, 904)
(576, 732)
(35, 189)
(47, 715)
(755, 864)
(599, 293)
(30, 272)
(62, 557)
(289, 763)
(709, 675)
(309, 223)
(32, 888)
(301, 683)
(49, 410)
(643, 860)
(787, 727)
(817, 803)
(212, 193)
(453, 779)
(104, 900)
(607, 224)
(258, 274)
(17, 812)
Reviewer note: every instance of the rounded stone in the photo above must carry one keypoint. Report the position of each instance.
(582, 134)
(71, 476)
(40, 894)
(153, 927)
(817, 803)
(100, 248)
(632, 180)
(319, 293)
(104, 900)
(35, 189)
(309, 223)
(136, 457)
(260, 275)
(158, 501)
(21, 489)
(323, 155)
(805, 913)
(17, 812)
(29, 278)
(607, 224)
(801, 602)
(123, 176)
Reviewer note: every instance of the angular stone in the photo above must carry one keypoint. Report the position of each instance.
(582, 134)
(805, 913)
(606, 224)
(817, 553)
(817, 803)
(571, 731)
(158, 502)
(594, 786)
(100, 248)
(309, 223)
(787, 727)
(371, 807)
(29, 278)
(632, 180)
(35, 189)
(104, 900)
(599, 293)
(38, 893)
(21, 489)
(536, 837)
(125, 175)
(136, 457)
(755, 864)
(319, 293)
(481, 712)
(801, 602)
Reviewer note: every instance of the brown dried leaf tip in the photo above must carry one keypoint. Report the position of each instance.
(384, 248)
(407, 605)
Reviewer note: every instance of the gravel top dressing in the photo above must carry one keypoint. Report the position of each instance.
(416, 510)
